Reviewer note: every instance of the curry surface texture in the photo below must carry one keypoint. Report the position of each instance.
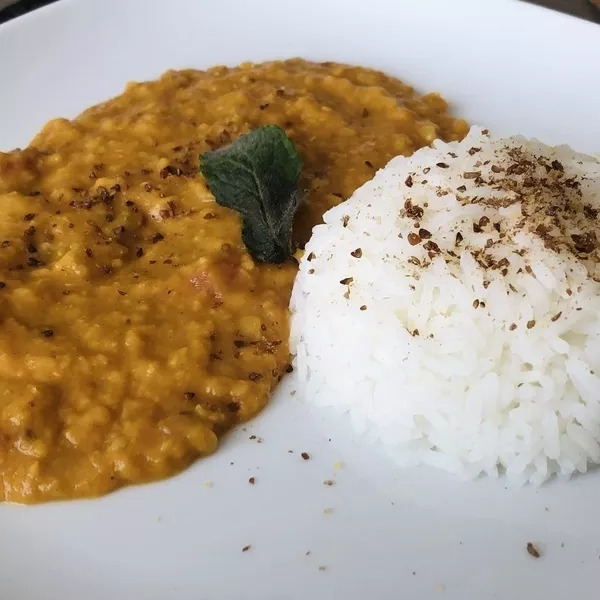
(134, 326)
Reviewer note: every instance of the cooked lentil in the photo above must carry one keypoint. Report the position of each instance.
(149, 351)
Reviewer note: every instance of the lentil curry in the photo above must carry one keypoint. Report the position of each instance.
(134, 327)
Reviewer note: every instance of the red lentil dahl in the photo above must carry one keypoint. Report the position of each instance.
(136, 329)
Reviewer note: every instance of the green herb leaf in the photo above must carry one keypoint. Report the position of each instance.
(257, 176)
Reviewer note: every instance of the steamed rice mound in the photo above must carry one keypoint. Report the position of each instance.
(452, 307)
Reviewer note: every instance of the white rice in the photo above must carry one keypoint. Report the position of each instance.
(447, 357)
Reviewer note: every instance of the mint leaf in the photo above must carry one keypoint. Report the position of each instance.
(257, 176)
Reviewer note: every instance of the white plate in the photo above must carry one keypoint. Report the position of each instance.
(416, 534)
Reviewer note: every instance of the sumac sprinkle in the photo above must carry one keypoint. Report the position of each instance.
(48, 332)
(2, 285)
(532, 550)
(408, 182)
(589, 212)
(29, 217)
(441, 165)
(424, 234)
(189, 395)
(413, 239)
(157, 237)
(347, 280)
(431, 247)
(305, 455)
(139, 252)
(357, 253)
(585, 243)
(413, 211)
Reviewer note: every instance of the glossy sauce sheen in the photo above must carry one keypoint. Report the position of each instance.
(134, 327)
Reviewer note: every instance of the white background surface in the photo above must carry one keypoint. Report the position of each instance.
(505, 65)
